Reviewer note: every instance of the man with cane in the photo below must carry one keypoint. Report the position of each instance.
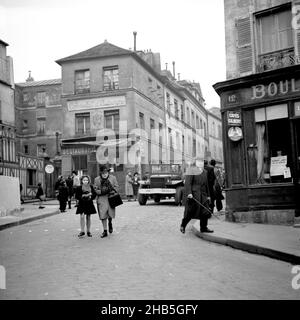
(196, 199)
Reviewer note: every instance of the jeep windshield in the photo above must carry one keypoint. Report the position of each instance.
(166, 168)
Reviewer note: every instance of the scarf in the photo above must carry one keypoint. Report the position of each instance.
(86, 188)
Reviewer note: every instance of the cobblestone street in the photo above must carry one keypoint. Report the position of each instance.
(146, 257)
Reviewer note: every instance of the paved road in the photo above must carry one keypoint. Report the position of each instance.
(145, 258)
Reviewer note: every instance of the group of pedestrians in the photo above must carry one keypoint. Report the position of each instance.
(132, 185)
(85, 192)
(65, 190)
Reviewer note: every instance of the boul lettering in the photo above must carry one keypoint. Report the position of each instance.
(273, 89)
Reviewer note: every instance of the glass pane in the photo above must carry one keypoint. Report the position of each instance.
(260, 115)
(268, 34)
(277, 112)
(108, 122)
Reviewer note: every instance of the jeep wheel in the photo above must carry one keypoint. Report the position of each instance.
(156, 198)
(142, 199)
(178, 196)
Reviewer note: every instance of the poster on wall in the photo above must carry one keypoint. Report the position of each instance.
(278, 165)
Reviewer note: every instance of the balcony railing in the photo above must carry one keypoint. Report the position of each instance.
(276, 60)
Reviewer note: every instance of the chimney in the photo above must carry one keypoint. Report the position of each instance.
(134, 36)
(173, 69)
(166, 65)
(29, 77)
(178, 76)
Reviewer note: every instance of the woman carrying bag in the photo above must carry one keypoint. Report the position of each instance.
(85, 194)
(105, 185)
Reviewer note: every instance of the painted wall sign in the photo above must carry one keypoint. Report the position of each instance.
(274, 88)
(234, 118)
(96, 103)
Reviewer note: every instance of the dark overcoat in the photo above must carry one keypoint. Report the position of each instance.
(196, 184)
(85, 206)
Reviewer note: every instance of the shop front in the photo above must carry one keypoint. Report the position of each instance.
(261, 136)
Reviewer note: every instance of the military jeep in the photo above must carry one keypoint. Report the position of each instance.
(164, 182)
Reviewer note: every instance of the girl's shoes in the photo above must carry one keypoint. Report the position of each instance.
(182, 229)
(89, 234)
(81, 234)
(104, 234)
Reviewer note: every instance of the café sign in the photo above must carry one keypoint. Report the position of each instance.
(234, 118)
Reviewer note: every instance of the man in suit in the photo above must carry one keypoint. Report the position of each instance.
(211, 177)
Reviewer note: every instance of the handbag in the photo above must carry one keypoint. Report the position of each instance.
(114, 200)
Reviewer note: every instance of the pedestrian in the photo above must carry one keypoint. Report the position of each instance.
(128, 186)
(21, 189)
(105, 184)
(40, 195)
(135, 185)
(76, 183)
(62, 197)
(196, 191)
(217, 188)
(211, 181)
(85, 194)
(57, 184)
(69, 183)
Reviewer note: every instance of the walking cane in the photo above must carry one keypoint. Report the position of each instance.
(205, 207)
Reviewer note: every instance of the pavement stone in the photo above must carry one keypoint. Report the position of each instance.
(146, 257)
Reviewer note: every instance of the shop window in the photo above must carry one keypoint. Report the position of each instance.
(273, 144)
(80, 163)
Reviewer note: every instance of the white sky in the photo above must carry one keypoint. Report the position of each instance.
(189, 32)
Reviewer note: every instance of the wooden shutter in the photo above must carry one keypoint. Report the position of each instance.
(244, 45)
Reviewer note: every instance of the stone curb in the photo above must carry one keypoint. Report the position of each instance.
(29, 219)
(271, 253)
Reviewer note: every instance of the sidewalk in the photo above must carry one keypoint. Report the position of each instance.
(30, 212)
(274, 241)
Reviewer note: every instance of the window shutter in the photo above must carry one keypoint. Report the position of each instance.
(244, 45)
(296, 28)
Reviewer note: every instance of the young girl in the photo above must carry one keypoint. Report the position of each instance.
(85, 194)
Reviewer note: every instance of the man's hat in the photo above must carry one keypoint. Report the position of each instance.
(104, 168)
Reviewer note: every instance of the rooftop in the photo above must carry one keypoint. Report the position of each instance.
(39, 83)
(102, 50)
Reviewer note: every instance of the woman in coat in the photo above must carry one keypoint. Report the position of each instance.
(85, 194)
(196, 187)
(128, 186)
(105, 184)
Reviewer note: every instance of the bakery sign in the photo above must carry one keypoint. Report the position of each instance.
(234, 118)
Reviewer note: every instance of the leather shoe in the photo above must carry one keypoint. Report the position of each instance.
(104, 234)
(207, 230)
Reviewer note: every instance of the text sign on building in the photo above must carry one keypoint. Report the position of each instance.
(234, 118)
(96, 103)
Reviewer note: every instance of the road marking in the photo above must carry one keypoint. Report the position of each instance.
(46, 230)
(63, 230)
(29, 231)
